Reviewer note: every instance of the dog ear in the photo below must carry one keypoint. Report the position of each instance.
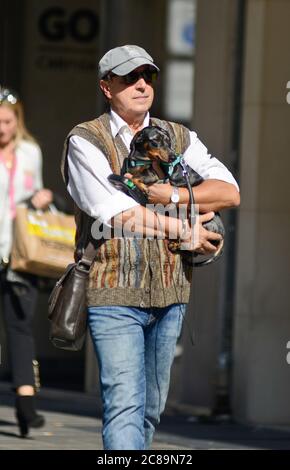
(138, 138)
(151, 134)
(134, 141)
(166, 140)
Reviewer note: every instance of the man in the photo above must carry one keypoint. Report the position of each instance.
(138, 289)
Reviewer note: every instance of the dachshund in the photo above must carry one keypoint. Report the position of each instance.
(153, 144)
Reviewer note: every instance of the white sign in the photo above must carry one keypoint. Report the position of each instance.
(179, 90)
(181, 27)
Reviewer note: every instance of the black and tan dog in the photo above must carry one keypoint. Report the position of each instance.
(153, 144)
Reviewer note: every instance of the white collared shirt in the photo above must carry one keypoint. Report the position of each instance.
(88, 171)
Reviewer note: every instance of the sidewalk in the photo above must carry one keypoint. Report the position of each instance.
(72, 423)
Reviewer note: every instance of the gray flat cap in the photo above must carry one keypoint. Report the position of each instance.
(124, 59)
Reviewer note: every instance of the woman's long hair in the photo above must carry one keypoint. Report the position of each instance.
(21, 133)
(10, 99)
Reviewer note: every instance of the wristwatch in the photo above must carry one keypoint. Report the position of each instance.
(175, 195)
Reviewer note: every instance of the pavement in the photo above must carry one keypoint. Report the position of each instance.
(72, 423)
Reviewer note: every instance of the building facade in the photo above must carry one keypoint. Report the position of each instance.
(225, 73)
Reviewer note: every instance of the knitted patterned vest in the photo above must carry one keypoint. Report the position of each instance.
(129, 271)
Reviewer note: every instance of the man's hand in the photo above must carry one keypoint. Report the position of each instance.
(42, 199)
(199, 239)
(160, 193)
(157, 193)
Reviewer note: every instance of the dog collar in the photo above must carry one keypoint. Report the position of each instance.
(134, 163)
(170, 166)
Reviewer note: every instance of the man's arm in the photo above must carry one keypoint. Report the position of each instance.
(90, 189)
(210, 195)
(142, 221)
(88, 184)
(213, 195)
(219, 190)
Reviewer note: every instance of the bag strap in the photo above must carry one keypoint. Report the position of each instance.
(88, 255)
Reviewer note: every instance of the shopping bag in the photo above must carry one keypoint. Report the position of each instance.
(43, 242)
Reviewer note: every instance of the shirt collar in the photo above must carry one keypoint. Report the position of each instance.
(117, 123)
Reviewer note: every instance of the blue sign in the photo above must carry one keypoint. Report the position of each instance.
(188, 34)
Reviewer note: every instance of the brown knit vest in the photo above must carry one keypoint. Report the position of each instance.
(129, 271)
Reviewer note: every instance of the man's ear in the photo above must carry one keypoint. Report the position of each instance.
(105, 87)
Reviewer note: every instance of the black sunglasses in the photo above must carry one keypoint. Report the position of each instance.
(149, 75)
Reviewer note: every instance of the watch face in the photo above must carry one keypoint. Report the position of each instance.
(175, 196)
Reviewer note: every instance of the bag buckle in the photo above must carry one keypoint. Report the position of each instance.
(84, 264)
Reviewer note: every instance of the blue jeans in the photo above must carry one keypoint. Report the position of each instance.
(135, 349)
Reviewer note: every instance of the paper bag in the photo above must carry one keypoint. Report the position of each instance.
(43, 242)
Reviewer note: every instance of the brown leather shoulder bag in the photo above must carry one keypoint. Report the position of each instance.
(67, 308)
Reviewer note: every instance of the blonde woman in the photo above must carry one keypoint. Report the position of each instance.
(20, 180)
